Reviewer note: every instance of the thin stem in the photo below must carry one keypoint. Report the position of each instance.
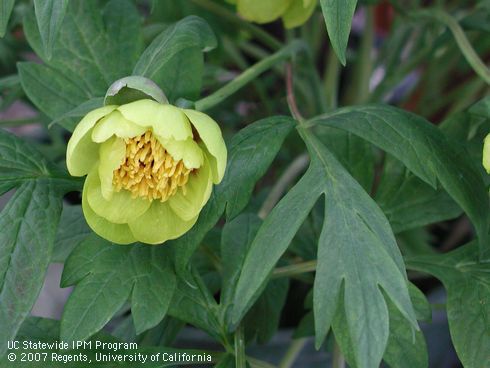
(235, 54)
(294, 269)
(249, 75)
(292, 353)
(18, 122)
(464, 45)
(338, 360)
(359, 89)
(256, 363)
(331, 79)
(224, 13)
(240, 358)
(293, 107)
(292, 172)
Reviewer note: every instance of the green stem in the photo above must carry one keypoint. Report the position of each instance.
(237, 57)
(464, 45)
(18, 122)
(249, 75)
(338, 360)
(291, 173)
(292, 353)
(359, 89)
(224, 13)
(331, 79)
(240, 358)
(294, 269)
(256, 363)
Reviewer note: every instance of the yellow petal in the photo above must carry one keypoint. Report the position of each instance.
(81, 152)
(166, 121)
(116, 233)
(188, 202)
(187, 151)
(115, 124)
(298, 13)
(210, 133)
(486, 153)
(121, 209)
(262, 11)
(112, 154)
(159, 224)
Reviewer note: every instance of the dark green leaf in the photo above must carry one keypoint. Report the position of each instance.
(70, 119)
(160, 61)
(28, 224)
(252, 151)
(357, 249)
(408, 202)
(467, 282)
(6, 7)
(425, 151)
(88, 55)
(72, 230)
(406, 348)
(49, 15)
(194, 304)
(338, 18)
(50, 90)
(263, 318)
(105, 275)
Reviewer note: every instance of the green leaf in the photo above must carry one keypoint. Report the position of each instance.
(405, 348)
(49, 15)
(20, 162)
(106, 275)
(50, 90)
(425, 151)
(69, 120)
(71, 231)
(357, 250)
(194, 304)
(408, 202)
(338, 18)
(6, 7)
(250, 153)
(92, 52)
(162, 59)
(263, 318)
(467, 281)
(28, 224)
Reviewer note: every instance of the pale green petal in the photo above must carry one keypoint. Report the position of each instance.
(262, 11)
(298, 13)
(112, 154)
(197, 192)
(81, 152)
(120, 209)
(116, 233)
(115, 124)
(210, 133)
(188, 151)
(486, 154)
(159, 224)
(166, 121)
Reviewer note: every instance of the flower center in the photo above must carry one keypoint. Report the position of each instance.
(149, 171)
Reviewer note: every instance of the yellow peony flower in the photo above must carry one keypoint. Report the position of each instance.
(293, 12)
(150, 169)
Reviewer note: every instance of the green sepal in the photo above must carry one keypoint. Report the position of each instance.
(133, 88)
